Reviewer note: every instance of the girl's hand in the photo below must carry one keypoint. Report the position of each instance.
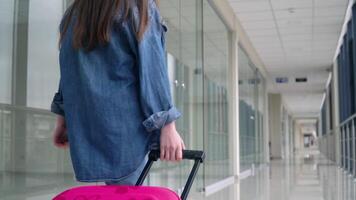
(60, 138)
(172, 145)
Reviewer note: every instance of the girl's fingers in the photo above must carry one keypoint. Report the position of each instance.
(173, 154)
(179, 154)
(167, 154)
(60, 138)
(162, 153)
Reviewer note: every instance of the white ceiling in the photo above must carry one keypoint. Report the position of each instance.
(294, 38)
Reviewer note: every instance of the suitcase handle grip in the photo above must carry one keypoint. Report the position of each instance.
(187, 155)
(197, 156)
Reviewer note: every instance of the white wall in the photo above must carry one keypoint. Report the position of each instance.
(298, 142)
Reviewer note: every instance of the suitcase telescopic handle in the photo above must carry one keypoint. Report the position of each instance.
(197, 156)
(187, 155)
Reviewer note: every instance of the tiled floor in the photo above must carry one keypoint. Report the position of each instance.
(306, 176)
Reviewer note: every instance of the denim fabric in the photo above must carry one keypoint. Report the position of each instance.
(132, 178)
(57, 104)
(115, 98)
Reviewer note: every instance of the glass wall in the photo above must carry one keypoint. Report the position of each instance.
(261, 96)
(196, 36)
(184, 48)
(216, 67)
(198, 45)
(43, 21)
(29, 163)
(6, 32)
(344, 133)
(252, 94)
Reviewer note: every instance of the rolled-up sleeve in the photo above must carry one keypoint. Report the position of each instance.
(154, 86)
(57, 102)
(157, 120)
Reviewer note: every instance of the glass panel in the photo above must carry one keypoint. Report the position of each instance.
(216, 65)
(261, 95)
(247, 103)
(43, 70)
(252, 98)
(29, 163)
(184, 46)
(6, 40)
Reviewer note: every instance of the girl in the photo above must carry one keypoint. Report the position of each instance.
(114, 102)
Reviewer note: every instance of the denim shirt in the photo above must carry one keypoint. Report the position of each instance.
(115, 98)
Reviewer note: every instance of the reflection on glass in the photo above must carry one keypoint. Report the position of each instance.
(216, 64)
(261, 95)
(29, 163)
(184, 66)
(252, 104)
(43, 23)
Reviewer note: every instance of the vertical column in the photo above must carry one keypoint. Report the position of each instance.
(197, 77)
(342, 153)
(347, 145)
(353, 148)
(296, 136)
(327, 124)
(348, 151)
(287, 135)
(19, 90)
(275, 118)
(335, 107)
(19, 79)
(256, 119)
(234, 121)
(266, 126)
(341, 150)
(344, 143)
(353, 32)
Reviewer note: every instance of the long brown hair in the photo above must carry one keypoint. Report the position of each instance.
(94, 20)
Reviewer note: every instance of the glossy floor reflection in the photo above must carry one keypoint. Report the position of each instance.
(306, 176)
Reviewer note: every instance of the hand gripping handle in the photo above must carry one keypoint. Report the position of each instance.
(197, 156)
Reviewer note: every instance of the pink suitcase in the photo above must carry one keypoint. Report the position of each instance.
(137, 192)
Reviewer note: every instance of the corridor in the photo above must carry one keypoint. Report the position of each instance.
(307, 176)
(266, 88)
